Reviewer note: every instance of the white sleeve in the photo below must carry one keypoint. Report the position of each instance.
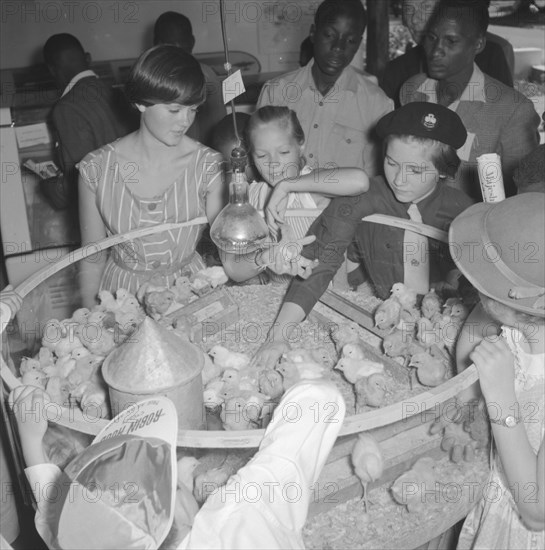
(265, 504)
(44, 480)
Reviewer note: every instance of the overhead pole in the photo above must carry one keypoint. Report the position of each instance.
(378, 31)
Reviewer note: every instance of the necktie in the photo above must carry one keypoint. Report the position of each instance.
(416, 256)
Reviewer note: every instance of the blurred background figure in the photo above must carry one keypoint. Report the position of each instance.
(496, 60)
(175, 28)
(87, 116)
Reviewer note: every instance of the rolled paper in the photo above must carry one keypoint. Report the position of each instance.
(491, 177)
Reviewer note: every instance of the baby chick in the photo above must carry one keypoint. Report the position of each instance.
(45, 357)
(182, 290)
(63, 367)
(107, 300)
(406, 296)
(354, 369)
(321, 355)
(298, 355)
(158, 302)
(388, 314)
(412, 487)
(346, 333)
(431, 304)
(94, 400)
(367, 461)
(400, 344)
(33, 378)
(271, 383)
(212, 394)
(209, 370)
(459, 312)
(234, 415)
(371, 391)
(447, 307)
(290, 374)
(228, 359)
(58, 391)
(428, 332)
(430, 371)
(186, 469)
(354, 351)
(99, 342)
(209, 482)
(28, 364)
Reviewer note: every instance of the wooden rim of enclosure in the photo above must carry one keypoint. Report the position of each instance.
(77, 419)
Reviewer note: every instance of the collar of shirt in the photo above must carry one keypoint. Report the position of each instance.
(77, 78)
(346, 81)
(425, 201)
(474, 91)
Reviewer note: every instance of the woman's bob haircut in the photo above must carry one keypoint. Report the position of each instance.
(166, 74)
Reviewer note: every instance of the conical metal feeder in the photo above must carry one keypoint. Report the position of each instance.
(155, 361)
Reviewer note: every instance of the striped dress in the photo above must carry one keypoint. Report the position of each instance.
(162, 255)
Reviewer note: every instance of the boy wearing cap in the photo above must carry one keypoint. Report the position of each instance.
(504, 260)
(420, 152)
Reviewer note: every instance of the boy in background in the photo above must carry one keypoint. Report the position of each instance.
(175, 28)
(336, 105)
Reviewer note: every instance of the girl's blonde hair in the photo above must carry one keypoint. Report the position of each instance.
(283, 116)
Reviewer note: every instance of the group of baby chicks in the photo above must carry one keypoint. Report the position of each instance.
(159, 300)
(246, 395)
(424, 336)
(67, 365)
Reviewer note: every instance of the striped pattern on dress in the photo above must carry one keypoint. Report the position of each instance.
(162, 255)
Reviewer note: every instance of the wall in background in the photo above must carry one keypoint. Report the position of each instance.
(122, 29)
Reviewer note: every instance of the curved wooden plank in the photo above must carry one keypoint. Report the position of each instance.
(75, 419)
(417, 404)
(40, 276)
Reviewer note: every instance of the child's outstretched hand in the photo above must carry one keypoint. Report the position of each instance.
(268, 355)
(496, 367)
(28, 406)
(285, 256)
(10, 298)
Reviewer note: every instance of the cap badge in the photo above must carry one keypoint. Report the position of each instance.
(429, 121)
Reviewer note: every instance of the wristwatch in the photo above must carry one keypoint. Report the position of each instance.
(508, 421)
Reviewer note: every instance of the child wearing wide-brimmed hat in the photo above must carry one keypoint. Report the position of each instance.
(502, 256)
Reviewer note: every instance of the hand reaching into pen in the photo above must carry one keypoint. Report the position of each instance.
(284, 257)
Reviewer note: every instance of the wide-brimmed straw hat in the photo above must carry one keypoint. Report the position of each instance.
(499, 248)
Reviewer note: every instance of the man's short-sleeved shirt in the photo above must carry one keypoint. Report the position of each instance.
(339, 127)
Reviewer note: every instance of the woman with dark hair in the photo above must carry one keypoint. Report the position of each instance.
(154, 175)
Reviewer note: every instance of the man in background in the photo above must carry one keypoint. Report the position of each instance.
(86, 117)
(496, 60)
